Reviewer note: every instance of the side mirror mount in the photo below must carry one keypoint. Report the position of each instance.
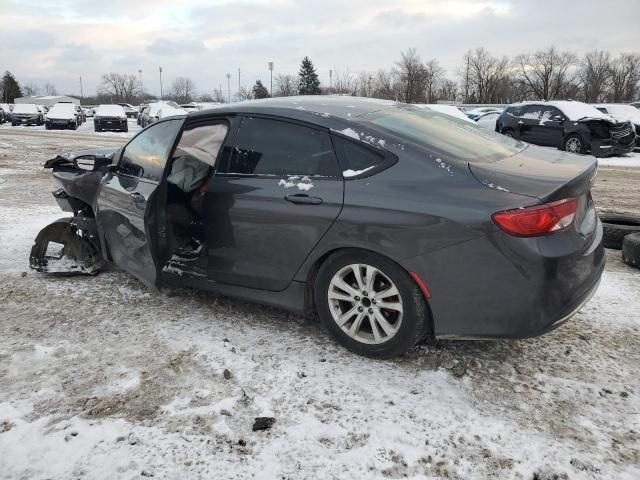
(91, 163)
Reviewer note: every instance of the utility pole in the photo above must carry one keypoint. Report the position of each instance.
(229, 86)
(81, 92)
(239, 84)
(140, 73)
(161, 93)
(330, 77)
(271, 77)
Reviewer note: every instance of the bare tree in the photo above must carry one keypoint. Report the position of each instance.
(448, 90)
(624, 76)
(119, 87)
(50, 89)
(183, 89)
(286, 85)
(433, 77)
(547, 73)
(409, 76)
(244, 94)
(218, 96)
(30, 89)
(345, 83)
(384, 86)
(485, 76)
(594, 73)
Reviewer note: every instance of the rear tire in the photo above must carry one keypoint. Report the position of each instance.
(380, 315)
(616, 227)
(631, 250)
(574, 144)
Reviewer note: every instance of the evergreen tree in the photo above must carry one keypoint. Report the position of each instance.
(309, 83)
(10, 88)
(260, 91)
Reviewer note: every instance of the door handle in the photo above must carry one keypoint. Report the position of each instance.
(137, 197)
(303, 199)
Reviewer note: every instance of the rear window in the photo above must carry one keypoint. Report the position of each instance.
(447, 136)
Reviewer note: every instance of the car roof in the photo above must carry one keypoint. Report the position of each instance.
(311, 108)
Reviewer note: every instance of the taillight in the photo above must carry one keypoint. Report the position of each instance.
(538, 220)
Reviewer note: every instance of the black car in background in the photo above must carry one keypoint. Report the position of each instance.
(572, 126)
(394, 223)
(110, 117)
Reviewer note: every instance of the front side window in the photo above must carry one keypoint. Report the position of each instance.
(279, 148)
(146, 155)
(550, 114)
(196, 154)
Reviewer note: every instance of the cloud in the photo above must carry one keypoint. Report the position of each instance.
(55, 40)
(167, 46)
(78, 52)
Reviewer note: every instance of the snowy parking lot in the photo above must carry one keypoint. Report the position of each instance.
(100, 378)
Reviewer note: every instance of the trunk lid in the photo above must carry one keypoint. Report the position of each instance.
(545, 174)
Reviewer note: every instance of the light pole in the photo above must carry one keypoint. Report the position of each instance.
(330, 77)
(81, 92)
(238, 84)
(271, 77)
(140, 73)
(161, 93)
(229, 86)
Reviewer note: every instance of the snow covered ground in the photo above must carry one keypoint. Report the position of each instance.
(102, 379)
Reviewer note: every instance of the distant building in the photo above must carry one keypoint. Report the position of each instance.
(47, 100)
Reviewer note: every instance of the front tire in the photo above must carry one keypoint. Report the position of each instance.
(574, 144)
(370, 304)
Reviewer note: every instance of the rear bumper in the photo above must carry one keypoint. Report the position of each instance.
(500, 286)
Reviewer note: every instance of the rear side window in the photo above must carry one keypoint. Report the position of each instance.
(532, 112)
(359, 161)
(146, 155)
(273, 147)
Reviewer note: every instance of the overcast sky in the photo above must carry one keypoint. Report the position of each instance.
(58, 40)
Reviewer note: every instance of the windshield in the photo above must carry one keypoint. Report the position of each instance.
(624, 112)
(25, 108)
(64, 109)
(110, 111)
(450, 137)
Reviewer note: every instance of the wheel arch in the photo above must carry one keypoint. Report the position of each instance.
(314, 268)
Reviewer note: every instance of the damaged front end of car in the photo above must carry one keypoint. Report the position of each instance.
(610, 138)
(71, 245)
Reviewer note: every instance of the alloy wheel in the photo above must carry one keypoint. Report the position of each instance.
(365, 303)
(573, 145)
